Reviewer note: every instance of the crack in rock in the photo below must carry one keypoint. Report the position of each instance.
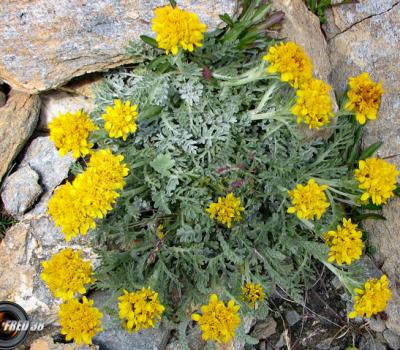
(364, 19)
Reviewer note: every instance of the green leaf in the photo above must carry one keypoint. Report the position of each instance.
(149, 41)
(173, 3)
(227, 19)
(370, 150)
(397, 191)
(371, 206)
(162, 164)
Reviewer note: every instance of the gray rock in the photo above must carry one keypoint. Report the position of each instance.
(264, 329)
(371, 344)
(44, 158)
(325, 344)
(18, 119)
(292, 317)
(392, 339)
(377, 325)
(82, 36)
(114, 337)
(21, 190)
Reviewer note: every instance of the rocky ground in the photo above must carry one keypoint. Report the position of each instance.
(47, 50)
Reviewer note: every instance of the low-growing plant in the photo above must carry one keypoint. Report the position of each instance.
(204, 186)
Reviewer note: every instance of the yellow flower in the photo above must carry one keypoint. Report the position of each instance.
(75, 206)
(345, 243)
(120, 120)
(108, 168)
(309, 201)
(140, 310)
(66, 273)
(80, 321)
(67, 210)
(313, 104)
(226, 209)
(160, 231)
(372, 299)
(364, 97)
(377, 178)
(253, 293)
(291, 62)
(177, 28)
(218, 321)
(70, 132)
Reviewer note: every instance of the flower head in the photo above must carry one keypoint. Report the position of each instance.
(218, 321)
(309, 201)
(120, 119)
(377, 178)
(108, 169)
(75, 206)
(70, 132)
(291, 62)
(80, 321)
(66, 273)
(253, 293)
(67, 210)
(226, 210)
(313, 104)
(140, 310)
(364, 97)
(160, 231)
(177, 28)
(345, 243)
(372, 299)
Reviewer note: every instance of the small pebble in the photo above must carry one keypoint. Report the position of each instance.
(292, 317)
(392, 339)
(377, 325)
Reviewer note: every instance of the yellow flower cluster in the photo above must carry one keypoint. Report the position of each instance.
(140, 310)
(80, 321)
(70, 132)
(218, 321)
(226, 210)
(160, 231)
(309, 201)
(66, 273)
(372, 299)
(313, 104)
(177, 28)
(364, 97)
(345, 243)
(120, 119)
(291, 62)
(253, 293)
(377, 178)
(75, 206)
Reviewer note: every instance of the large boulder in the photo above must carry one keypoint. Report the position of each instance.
(44, 44)
(18, 119)
(366, 37)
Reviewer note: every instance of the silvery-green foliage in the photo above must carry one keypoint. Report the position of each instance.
(196, 142)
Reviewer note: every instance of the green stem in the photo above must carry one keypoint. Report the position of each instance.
(250, 76)
(265, 98)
